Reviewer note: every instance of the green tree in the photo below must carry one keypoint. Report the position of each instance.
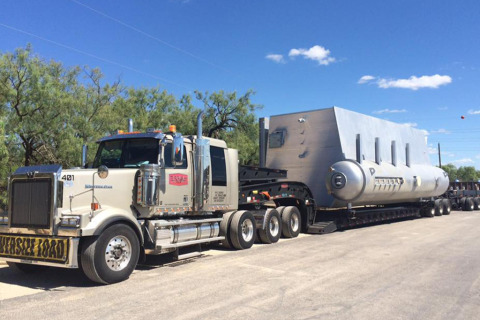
(451, 170)
(467, 174)
(4, 166)
(232, 119)
(92, 115)
(36, 99)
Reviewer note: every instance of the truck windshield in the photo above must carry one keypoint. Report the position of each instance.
(127, 153)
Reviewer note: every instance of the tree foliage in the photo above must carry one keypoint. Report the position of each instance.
(467, 173)
(48, 111)
(232, 118)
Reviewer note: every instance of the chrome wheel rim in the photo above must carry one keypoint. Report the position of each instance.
(247, 230)
(118, 253)
(294, 222)
(274, 226)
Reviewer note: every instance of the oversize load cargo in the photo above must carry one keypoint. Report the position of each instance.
(309, 144)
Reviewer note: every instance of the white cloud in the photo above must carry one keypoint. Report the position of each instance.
(432, 150)
(389, 111)
(415, 83)
(463, 161)
(441, 131)
(316, 53)
(365, 79)
(278, 58)
(425, 132)
(473, 111)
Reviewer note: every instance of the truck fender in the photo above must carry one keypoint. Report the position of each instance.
(109, 216)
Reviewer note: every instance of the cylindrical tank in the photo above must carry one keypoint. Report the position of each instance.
(148, 185)
(370, 183)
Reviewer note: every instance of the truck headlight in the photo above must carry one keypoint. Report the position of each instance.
(70, 221)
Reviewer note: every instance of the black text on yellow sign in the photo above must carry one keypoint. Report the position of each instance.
(47, 249)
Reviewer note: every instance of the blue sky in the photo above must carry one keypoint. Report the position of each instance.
(414, 62)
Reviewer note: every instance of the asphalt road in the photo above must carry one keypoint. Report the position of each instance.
(414, 269)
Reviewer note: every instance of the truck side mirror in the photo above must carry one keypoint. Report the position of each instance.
(177, 150)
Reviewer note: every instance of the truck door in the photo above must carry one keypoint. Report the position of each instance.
(177, 181)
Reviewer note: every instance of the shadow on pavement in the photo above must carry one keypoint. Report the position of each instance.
(48, 279)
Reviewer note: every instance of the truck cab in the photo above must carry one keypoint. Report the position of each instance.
(146, 192)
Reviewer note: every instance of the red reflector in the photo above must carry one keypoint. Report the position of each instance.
(284, 186)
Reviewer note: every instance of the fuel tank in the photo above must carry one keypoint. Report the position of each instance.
(372, 183)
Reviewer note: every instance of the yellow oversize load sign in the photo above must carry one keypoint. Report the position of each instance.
(34, 248)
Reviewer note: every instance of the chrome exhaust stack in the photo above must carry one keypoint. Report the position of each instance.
(202, 167)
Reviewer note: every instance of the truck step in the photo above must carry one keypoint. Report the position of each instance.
(322, 227)
(187, 255)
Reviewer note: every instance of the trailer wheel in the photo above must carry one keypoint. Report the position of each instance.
(224, 229)
(447, 206)
(476, 202)
(112, 256)
(273, 227)
(291, 222)
(462, 203)
(428, 212)
(26, 268)
(242, 230)
(438, 207)
(469, 204)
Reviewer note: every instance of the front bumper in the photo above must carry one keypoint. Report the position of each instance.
(45, 251)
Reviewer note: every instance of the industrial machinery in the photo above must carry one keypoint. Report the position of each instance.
(154, 193)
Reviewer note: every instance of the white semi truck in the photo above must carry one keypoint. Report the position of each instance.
(155, 193)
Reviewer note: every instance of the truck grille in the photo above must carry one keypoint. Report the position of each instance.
(31, 203)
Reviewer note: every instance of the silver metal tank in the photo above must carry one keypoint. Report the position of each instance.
(372, 183)
(345, 157)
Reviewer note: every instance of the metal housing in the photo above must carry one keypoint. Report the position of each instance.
(347, 157)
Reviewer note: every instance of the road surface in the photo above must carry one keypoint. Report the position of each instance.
(413, 269)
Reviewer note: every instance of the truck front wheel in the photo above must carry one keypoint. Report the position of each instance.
(112, 256)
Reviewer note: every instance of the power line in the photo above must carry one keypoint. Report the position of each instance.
(129, 26)
(94, 56)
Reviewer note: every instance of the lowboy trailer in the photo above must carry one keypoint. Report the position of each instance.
(155, 193)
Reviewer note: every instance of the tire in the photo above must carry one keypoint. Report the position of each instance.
(462, 203)
(447, 206)
(225, 229)
(291, 222)
(469, 204)
(272, 227)
(26, 268)
(476, 202)
(112, 256)
(438, 207)
(428, 212)
(280, 210)
(242, 230)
